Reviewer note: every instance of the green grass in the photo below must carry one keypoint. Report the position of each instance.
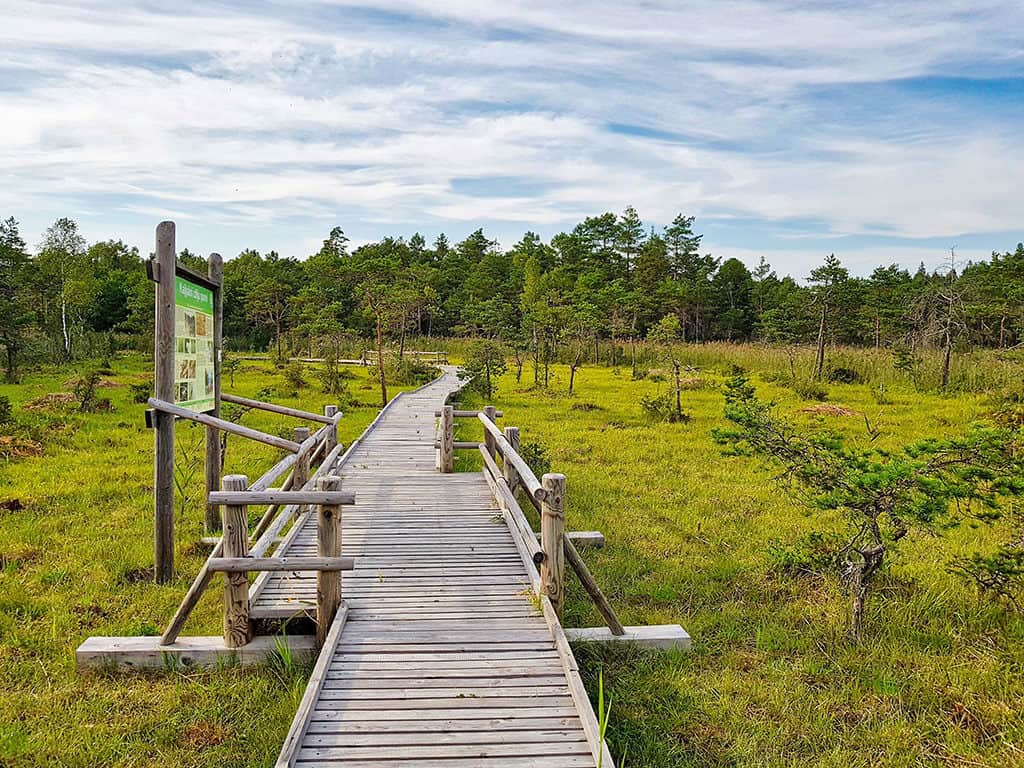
(771, 680)
(74, 564)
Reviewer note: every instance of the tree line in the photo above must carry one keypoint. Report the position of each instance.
(589, 292)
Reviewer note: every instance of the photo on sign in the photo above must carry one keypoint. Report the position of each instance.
(184, 391)
(190, 324)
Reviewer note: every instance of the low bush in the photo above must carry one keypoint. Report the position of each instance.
(663, 408)
(810, 390)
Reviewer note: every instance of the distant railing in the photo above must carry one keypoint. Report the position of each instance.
(238, 552)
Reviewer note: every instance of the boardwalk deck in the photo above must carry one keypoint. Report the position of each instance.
(441, 659)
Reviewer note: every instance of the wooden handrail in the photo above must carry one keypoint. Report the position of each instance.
(253, 564)
(468, 414)
(529, 480)
(272, 408)
(224, 425)
(256, 498)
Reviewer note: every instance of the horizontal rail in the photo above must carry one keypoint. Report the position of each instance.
(226, 426)
(253, 564)
(280, 409)
(468, 414)
(522, 526)
(526, 477)
(240, 498)
(460, 444)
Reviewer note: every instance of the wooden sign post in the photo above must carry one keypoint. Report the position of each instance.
(187, 363)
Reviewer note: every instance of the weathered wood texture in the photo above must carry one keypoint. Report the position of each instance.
(167, 407)
(328, 544)
(274, 408)
(552, 535)
(163, 388)
(438, 657)
(215, 271)
(237, 627)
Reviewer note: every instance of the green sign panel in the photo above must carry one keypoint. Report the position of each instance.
(193, 352)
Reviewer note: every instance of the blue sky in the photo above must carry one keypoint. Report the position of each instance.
(883, 131)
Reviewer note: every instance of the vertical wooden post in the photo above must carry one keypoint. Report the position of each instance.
(489, 412)
(511, 476)
(215, 271)
(300, 472)
(328, 544)
(237, 629)
(447, 438)
(552, 532)
(163, 385)
(332, 433)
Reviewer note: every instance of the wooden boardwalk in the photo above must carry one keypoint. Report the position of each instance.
(439, 657)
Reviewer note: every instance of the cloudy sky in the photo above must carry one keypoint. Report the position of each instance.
(883, 131)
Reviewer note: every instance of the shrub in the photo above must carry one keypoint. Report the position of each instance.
(843, 375)
(1007, 408)
(485, 362)
(810, 390)
(663, 408)
(6, 412)
(814, 554)
(294, 375)
(536, 457)
(412, 372)
(85, 394)
(141, 391)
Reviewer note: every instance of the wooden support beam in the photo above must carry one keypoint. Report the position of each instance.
(656, 637)
(459, 445)
(300, 472)
(256, 498)
(146, 652)
(163, 387)
(331, 440)
(328, 546)
(237, 627)
(447, 439)
(328, 564)
(274, 408)
(166, 407)
(552, 536)
(215, 271)
(511, 476)
(585, 539)
(489, 413)
(590, 584)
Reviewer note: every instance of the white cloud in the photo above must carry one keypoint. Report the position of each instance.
(273, 116)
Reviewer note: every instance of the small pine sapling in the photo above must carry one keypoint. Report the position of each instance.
(880, 496)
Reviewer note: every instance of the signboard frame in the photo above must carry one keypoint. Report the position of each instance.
(169, 375)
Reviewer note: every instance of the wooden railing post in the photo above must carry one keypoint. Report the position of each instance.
(332, 433)
(163, 388)
(511, 476)
(447, 438)
(215, 271)
(552, 533)
(300, 472)
(328, 544)
(237, 628)
(490, 412)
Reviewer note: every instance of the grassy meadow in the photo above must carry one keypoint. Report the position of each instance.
(771, 681)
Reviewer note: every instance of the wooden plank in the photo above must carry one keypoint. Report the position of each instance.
(293, 741)
(137, 653)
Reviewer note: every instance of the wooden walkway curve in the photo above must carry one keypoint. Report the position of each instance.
(440, 657)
